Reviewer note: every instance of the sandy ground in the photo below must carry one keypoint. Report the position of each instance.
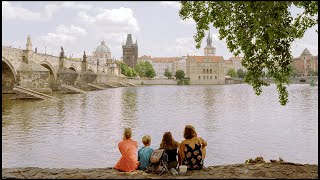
(261, 170)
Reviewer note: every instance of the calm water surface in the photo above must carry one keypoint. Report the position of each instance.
(83, 131)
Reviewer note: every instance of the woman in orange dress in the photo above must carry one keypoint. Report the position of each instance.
(128, 149)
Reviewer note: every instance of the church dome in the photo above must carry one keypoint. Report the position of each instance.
(103, 48)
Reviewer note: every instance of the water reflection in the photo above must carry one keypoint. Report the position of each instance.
(129, 107)
(83, 131)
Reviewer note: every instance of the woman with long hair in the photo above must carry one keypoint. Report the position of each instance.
(171, 148)
(192, 149)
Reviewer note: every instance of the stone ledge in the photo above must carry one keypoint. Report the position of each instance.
(263, 170)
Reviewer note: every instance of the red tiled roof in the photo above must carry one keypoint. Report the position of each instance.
(237, 58)
(164, 59)
(202, 58)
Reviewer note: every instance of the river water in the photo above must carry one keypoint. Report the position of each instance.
(83, 130)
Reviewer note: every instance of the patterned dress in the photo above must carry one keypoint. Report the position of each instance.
(193, 157)
(129, 160)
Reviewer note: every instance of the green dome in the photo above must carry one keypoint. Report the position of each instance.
(102, 48)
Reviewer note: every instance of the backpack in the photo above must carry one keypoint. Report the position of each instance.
(158, 162)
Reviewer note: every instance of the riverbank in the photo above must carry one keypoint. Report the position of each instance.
(262, 170)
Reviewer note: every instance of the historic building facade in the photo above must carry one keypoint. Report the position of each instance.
(101, 57)
(130, 52)
(235, 63)
(305, 63)
(160, 64)
(207, 69)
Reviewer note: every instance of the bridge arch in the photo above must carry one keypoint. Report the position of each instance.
(73, 68)
(47, 65)
(14, 72)
(9, 76)
(91, 70)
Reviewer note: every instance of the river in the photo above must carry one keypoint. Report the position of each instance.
(83, 130)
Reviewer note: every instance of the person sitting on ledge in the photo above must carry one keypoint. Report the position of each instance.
(171, 147)
(145, 152)
(128, 149)
(192, 150)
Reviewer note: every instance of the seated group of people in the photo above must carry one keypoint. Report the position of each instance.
(190, 152)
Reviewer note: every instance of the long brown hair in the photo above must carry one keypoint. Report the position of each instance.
(168, 143)
(189, 132)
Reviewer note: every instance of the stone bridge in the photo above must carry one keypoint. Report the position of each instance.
(45, 73)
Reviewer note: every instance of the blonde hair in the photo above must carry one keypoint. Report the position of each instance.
(189, 132)
(146, 140)
(127, 133)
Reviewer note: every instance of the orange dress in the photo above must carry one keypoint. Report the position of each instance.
(129, 159)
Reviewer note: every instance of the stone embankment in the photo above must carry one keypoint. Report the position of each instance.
(262, 170)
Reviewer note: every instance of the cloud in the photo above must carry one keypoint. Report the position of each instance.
(173, 4)
(14, 12)
(188, 21)
(76, 6)
(11, 12)
(63, 35)
(111, 24)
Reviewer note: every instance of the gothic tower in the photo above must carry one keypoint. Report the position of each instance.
(209, 50)
(130, 52)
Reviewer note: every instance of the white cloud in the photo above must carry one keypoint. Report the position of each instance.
(76, 6)
(112, 25)
(188, 21)
(63, 35)
(14, 12)
(173, 4)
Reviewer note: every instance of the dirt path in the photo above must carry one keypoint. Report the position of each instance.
(263, 170)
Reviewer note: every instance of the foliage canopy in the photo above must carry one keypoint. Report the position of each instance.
(145, 69)
(180, 74)
(167, 73)
(263, 31)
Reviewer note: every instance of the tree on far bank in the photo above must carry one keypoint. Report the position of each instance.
(180, 74)
(241, 73)
(232, 73)
(167, 73)
(263, 31)
(145, 69)
(127, 71)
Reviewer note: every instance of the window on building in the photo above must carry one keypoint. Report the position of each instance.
(210, 71)
(207, 70)
(204, 77)
(204, 71)
(100, 55)
(216, 77)
(210, 77)
(199, 77)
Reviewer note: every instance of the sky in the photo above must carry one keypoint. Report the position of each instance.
(80, 26)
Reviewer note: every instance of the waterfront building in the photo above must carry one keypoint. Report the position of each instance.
(160, 64)
(305, 63)
(130, 52)
(207, 69)
(235, 63)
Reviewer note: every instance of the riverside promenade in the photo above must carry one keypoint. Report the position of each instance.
(261, 170)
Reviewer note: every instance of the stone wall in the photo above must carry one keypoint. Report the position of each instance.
(7, 79)
(35, 80)
(153, 81)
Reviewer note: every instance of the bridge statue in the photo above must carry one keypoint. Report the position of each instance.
(35, 50)
(62, 52)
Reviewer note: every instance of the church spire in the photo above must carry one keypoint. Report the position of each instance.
(209, 40)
